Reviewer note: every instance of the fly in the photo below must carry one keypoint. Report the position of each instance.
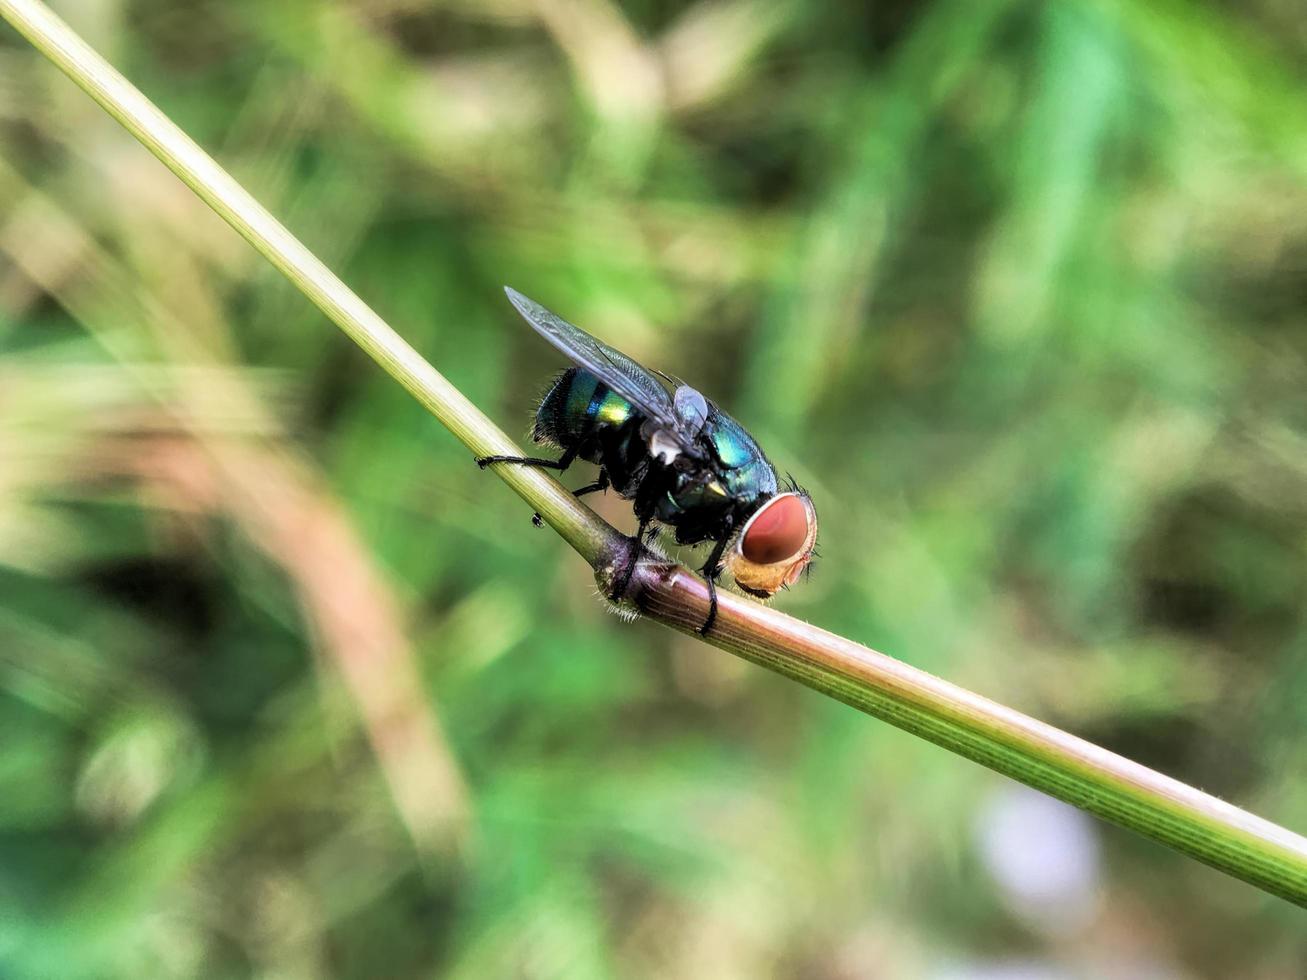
(683, 463)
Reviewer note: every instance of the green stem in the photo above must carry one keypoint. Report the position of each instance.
(1039, 755)
(1006, 741)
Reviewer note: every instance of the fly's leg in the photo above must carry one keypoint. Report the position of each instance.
(624, 582)
(599, 484)
(710, 571)
(560, 464)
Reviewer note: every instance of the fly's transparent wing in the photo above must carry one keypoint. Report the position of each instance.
(634, 383)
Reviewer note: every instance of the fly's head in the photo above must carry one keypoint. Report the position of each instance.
(775, 544)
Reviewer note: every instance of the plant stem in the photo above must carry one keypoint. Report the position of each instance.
(1242, 845)
(1039, 755)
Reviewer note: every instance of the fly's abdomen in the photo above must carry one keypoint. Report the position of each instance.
(577, 410)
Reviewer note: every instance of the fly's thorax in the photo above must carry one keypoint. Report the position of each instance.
(744, 471)
(700, 493)
(665, 447)
(716, 488)
(730, 442)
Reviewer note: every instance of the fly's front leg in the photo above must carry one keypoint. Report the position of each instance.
(711, 570)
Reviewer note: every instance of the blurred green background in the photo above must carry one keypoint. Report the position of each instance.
(289, 689)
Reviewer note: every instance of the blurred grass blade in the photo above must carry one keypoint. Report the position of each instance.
(1130, 795)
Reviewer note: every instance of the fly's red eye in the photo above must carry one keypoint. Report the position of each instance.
(778, 532)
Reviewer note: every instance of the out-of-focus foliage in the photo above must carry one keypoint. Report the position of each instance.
(288, 688)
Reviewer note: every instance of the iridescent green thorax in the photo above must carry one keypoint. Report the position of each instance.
(743, 477)
(748, 473)
(734, 446)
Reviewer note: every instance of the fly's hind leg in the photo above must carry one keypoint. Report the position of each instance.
(560, 464)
